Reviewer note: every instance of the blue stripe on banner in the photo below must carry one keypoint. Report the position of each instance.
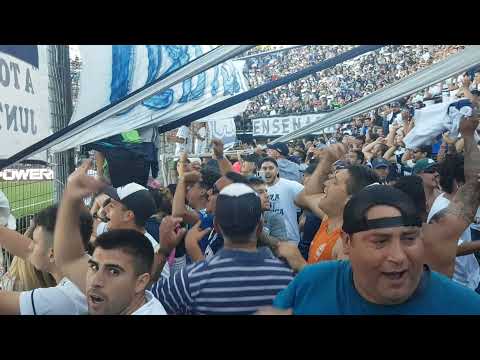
(27, 53)
(359, 50)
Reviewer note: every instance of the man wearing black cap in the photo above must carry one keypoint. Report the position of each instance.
(386, 274)
(287, 169)
(427, 169)
(381, 168)
(129, 208)
(239, 278)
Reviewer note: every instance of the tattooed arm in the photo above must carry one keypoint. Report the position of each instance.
(442, 234)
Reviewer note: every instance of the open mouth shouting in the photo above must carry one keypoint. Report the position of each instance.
(395, 275)
(95, 300)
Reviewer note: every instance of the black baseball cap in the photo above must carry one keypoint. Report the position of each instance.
(355, 212)
(379, 163)
(136, 198)
(253, 158)
(282, 148)
(238, 210)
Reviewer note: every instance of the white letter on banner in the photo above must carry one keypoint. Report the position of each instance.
(256, 127)
(286, 125)
(35, 174)
(265, 126)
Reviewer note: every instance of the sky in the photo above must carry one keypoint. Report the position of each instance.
(74, 51)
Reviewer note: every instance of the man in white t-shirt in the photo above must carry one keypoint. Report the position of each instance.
(115, 278)
(63, 299)
(181, 140)
(129, 208)
(467, 269)
(200, 135)
(282, 193)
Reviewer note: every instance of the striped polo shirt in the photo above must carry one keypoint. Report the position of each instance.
(231, 282)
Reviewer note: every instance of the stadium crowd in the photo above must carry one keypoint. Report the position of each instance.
(335, 87)
(348, 223)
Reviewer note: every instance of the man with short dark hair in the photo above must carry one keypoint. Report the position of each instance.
(273, 223)
(287, 169)
(116, 276)
(239, 278)
(355, 157)
(329, 192)
(204, 240)
(427, 169)
(40, 253)
(130, 207)
(282, 193)
(381, 168)
(386, 275)
(452, 177)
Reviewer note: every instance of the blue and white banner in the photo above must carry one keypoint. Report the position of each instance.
(283, 125)
(109, 73)
(24, 102)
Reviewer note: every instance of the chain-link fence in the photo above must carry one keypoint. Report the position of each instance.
(33, 185)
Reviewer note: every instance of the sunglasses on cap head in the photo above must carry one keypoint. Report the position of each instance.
(430, 171)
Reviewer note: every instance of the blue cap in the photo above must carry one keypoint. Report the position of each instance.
(282, 148)
(379, 163)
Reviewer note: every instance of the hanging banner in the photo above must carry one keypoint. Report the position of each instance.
(109, 73)
(24, 103)
(283, 125)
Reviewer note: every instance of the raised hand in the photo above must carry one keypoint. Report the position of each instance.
(194, 235)
(80, 185)
(468, 125)
(192, 177)
(217, 147)
(170, 233)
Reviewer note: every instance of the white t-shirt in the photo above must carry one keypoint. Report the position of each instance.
(201, 145)
(64, 299)
(151, 307)
(182, 133)
(282, 196)
(467, 269)
(103, 227)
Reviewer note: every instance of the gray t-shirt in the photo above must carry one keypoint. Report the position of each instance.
(289, 170)
(274, 225)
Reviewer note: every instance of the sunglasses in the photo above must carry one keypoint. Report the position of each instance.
(430, 171)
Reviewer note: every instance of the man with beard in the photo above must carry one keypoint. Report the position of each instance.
(282, 193)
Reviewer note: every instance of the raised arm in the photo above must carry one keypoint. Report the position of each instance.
(468, 248)
(178, 207)
(327, 157)
(389, 154)
(449, 224)
(391, 134)
(192, 239)
(69, 252)
(170, 236)
(15, 243)
(310, 202)
(224, 164)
